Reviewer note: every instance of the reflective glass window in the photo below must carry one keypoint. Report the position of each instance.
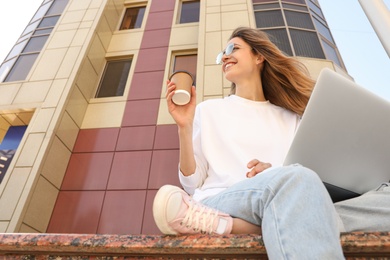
(331, 53)
(280, 38)
(43, 31)
(266, 6)
(22, 67)
(5, 68)
(187, 63)
(133, 18)
(271, 18)
(298, 19)
(189, 12)
(35, 44)
(57, 7)
(41, 12)
(16, 50)
(114, 78)
(49, 21)
(306, 44)
(323, 30)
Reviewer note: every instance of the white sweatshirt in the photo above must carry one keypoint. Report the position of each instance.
(230, 132)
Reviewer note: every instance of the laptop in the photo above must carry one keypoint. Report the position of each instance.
(344, 136)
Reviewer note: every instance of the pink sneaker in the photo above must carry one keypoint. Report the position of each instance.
(175, 212)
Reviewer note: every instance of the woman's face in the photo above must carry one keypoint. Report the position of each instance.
(241, 63)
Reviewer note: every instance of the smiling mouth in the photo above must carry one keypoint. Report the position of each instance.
(228, 65)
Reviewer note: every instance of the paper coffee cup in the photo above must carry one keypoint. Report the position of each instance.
(183, 81)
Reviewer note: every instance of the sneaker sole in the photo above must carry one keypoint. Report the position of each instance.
(160, 209)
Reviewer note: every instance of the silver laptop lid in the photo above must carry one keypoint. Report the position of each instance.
(344, 135)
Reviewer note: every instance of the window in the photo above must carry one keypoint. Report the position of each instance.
(331, 53)
(280, 38)
(299, 19)
(266, 19)
(189, 12)
(35, 44)
(306, 44)
(22, 67)
(187, 62)
(114, 78)
(133, 18)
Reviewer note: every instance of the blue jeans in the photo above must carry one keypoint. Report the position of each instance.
(293, 208)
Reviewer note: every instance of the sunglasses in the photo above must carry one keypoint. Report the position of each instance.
(229, 49)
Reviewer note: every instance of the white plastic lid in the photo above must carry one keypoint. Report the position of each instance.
(181, 97)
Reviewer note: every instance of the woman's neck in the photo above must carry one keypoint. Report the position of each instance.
(251, 91)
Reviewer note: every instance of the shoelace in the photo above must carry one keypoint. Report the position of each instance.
(195, 212)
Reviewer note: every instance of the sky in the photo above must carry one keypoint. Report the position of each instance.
(363, 54)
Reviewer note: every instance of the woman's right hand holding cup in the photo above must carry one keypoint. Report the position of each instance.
(182, 114)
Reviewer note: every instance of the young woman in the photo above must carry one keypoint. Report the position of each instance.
(231, 152)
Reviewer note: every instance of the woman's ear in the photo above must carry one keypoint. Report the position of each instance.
(260, 59)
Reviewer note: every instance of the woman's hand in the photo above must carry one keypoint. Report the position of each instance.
(182, 114)
(256, 167)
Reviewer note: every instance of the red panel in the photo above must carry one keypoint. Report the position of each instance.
(122, 212)
(88, 171)
(141, 112)
(146, 85)
(166, 137)
(156, 38)
(136, 138)
(164, 169)
(151, 59)
(160, 20)
(158, 6)
(96, 140)
(76, 212)
(130, 170)
(148, 225)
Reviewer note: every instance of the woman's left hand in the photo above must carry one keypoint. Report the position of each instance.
(256, 167)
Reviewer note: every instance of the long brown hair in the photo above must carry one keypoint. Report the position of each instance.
(286, 82)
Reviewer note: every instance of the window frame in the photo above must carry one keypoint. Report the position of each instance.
(180, 10)
(139, 5)
(127, 83)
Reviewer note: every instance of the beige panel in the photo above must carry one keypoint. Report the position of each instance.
(26, 229)
(41, 205)
(213, 9)
(87, 79)
(210, 3)
(213, 42)
(69, 62)
(104, 33)
(212, 80)
(49, 64)
(78, 5)
(96, 3)
(25, 117)
(233, 2)
(213, 22)
(30, 150)
(33, 92)
(67, 131)
(61, 39)
(96, 54)
(80, 37)
(67, 26)
(3, 226)
(101, 115)
(73, 16)
(315, 66)
(56, 162)
(42, 120)
(184, 35)
(77, 105)
(235, 8)
(87, 24)
(164, 117)
(112, 16)
(232, 20)
(13, 119)
(55, 92)
(12, 192)
(90, 15)
(8, 93)
(125, 41)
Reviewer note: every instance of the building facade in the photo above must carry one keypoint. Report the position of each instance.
(86, 137)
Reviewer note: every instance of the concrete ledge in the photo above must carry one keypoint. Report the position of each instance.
(357, 245)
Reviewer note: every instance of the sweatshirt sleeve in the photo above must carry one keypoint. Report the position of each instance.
(194, 181)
